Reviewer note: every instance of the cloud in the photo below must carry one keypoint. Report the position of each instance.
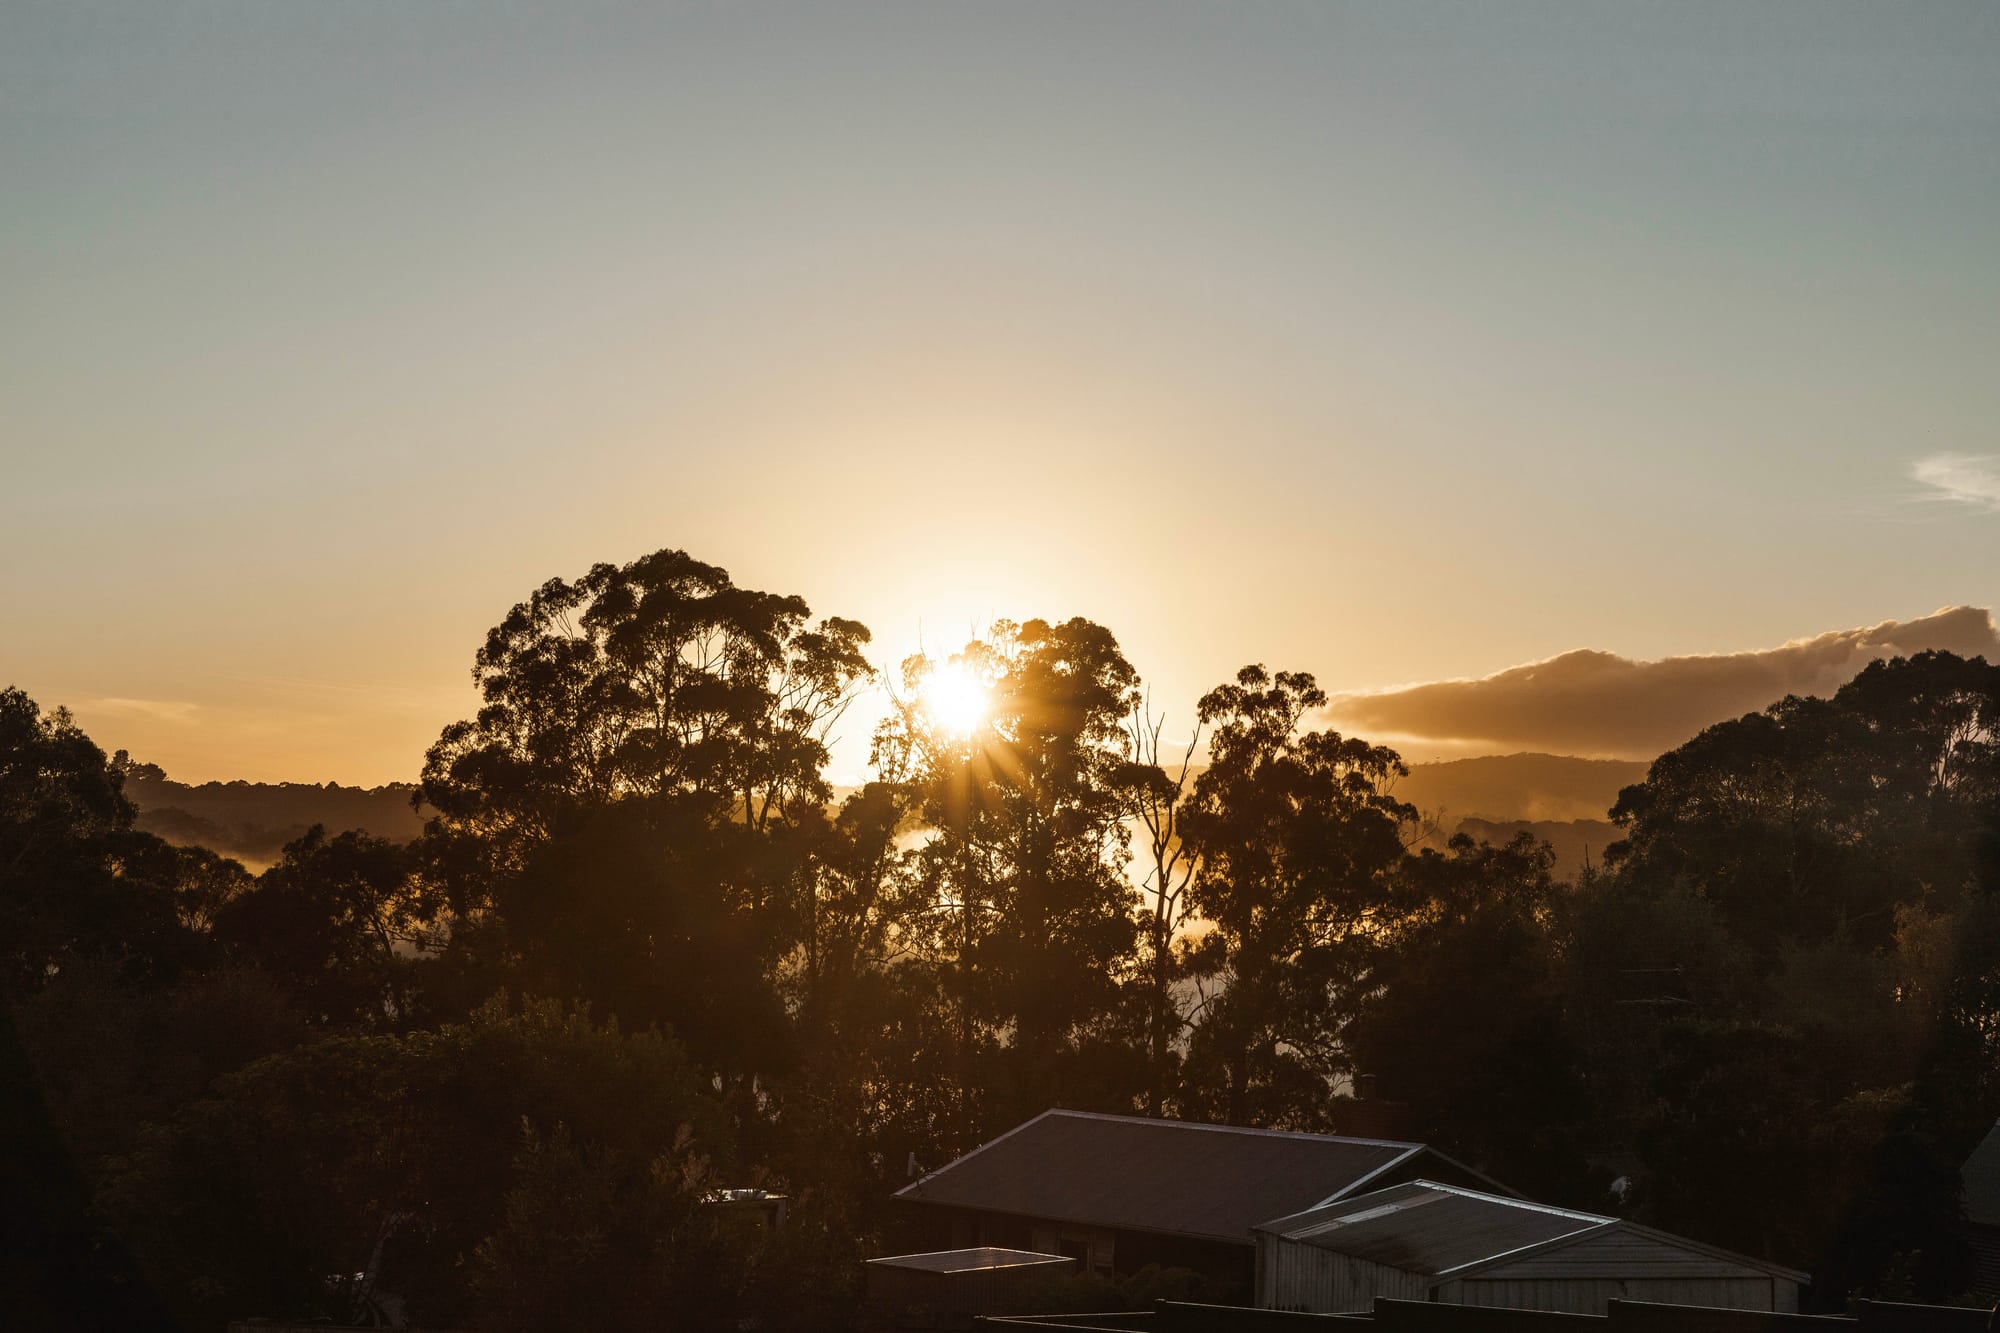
(158, 710)
(1965, 479)
(1600, 704)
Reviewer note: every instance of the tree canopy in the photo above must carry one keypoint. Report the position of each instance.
(643, 949)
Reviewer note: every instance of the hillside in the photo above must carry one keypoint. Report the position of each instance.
(1576, 842)
(1559, 798)
(1505, 787)
(252, 821)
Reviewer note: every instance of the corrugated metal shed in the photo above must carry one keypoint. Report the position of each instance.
(1127, 1173)
(1427, 1228)
(1433, 1242)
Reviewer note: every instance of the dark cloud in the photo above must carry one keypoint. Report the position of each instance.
(1596, 703)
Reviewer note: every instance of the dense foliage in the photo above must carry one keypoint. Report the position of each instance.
(643, 951)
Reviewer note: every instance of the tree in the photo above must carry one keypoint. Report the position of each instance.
(375, 1155)
(1818, 818)
(1463, 1025)
(74, 874)
(60, 1272)
(1810, 883)
(640, 912)
(656, 678)
(1297, 836)
(1160, 792)
(638, 800)
(329, 919)
(205, 883)
(1024, 896)
(593, 1237)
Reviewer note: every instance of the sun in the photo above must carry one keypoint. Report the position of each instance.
(955, 700)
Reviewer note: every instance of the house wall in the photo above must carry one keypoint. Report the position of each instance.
(1575, 1295)
(1094, 1248)
(1582, 1278)
(1292, 1275)
(1625, 1265)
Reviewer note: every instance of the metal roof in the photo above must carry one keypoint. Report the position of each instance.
(1445, 1231)
(1428, 1228)
(981, 1258)
(1667, 1238)
(1981, 1176)
(1127, 1173)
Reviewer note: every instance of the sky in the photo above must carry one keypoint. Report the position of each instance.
(1403, 343)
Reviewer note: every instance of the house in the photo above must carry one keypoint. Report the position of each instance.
(1426, 1240)
(1121, 1192)
(1980, 1177)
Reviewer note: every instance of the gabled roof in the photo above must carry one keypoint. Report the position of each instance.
(1432, 1229)
(1666, 1238)
(1131, 1174)
(1448, 1232)
(1981, 1177)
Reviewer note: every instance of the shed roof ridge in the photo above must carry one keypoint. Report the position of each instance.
(1626, 1224)
(1502, 1199)
(1347, 1192)
(1222, 1129)
(1349, 1199)
(1551, 1242)
(916, 1186)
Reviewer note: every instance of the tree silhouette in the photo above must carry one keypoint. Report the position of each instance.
(1297, 836)
(1815, 877)
(639, 798)
(1160, 792)
(1024, 884)
(329, 918)
(1471, 958)
(656, 678)
(76, 880)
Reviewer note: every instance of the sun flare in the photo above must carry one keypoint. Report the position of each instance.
(955, 699)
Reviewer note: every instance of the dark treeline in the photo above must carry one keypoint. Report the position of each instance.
(496, 1076)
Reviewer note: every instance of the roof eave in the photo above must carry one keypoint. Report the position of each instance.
(1576, 1237)
(1246, 1240)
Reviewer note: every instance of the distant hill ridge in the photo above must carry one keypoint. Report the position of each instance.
(1576, 842)
(1508, 787)
(1559, 798)
(252, 821)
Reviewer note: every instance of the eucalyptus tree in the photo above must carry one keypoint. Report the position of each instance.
(77, 880)
(637, 797)
(1161, 787)
(1464, 1028)
(1298, 837)
(656, 678)
(333, 918)
(1818, 819)
(1839, 856)
(1021, 772)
